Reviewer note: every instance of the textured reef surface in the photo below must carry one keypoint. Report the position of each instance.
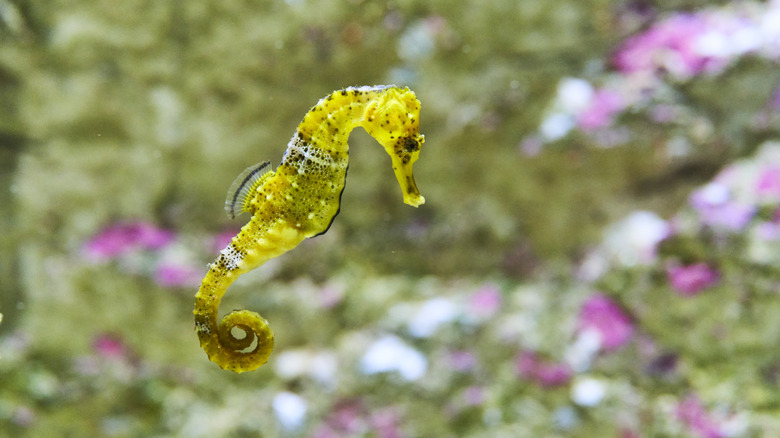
(597, 254)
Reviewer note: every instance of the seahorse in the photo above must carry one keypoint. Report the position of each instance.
(298, 200)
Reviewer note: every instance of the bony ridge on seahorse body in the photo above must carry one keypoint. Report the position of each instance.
(300, 200)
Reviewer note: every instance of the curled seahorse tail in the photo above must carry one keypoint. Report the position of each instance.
(231, 352)
(257, 332)
(223, 345)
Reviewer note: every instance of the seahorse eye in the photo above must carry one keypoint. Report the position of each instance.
(411, 145)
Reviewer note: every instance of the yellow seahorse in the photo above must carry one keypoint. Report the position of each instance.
(300, 200)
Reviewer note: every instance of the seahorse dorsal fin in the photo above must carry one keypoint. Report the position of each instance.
(238, 196)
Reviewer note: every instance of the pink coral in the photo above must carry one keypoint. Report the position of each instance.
(461, 360)
(671, 46)
(121, 238)
(718, 208)
(547, 374)
(603, 107)
(486, 301)
(603, 316)
(768, 184)
(353, 417)
(177, 275)
(691, 279)
(691, 412)
(110, 346)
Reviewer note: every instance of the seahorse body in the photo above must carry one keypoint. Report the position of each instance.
(299, 200)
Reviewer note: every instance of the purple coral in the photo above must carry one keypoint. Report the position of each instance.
(177, 275)
(675, 45)
(601, 110)
(122, 238)
(691, 412)
(603, 316)
(547, 374)
(717, 208)
(692, 279)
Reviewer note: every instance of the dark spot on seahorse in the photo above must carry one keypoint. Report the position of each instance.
(411, 145)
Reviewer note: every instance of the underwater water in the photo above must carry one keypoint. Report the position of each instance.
(597, 255)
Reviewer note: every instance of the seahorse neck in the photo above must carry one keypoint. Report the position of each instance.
(331, 120)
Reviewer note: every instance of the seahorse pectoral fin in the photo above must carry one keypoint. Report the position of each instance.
(243, 187)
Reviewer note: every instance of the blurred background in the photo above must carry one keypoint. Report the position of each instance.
(597, 254)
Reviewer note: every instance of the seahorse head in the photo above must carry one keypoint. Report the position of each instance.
(394, 121)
